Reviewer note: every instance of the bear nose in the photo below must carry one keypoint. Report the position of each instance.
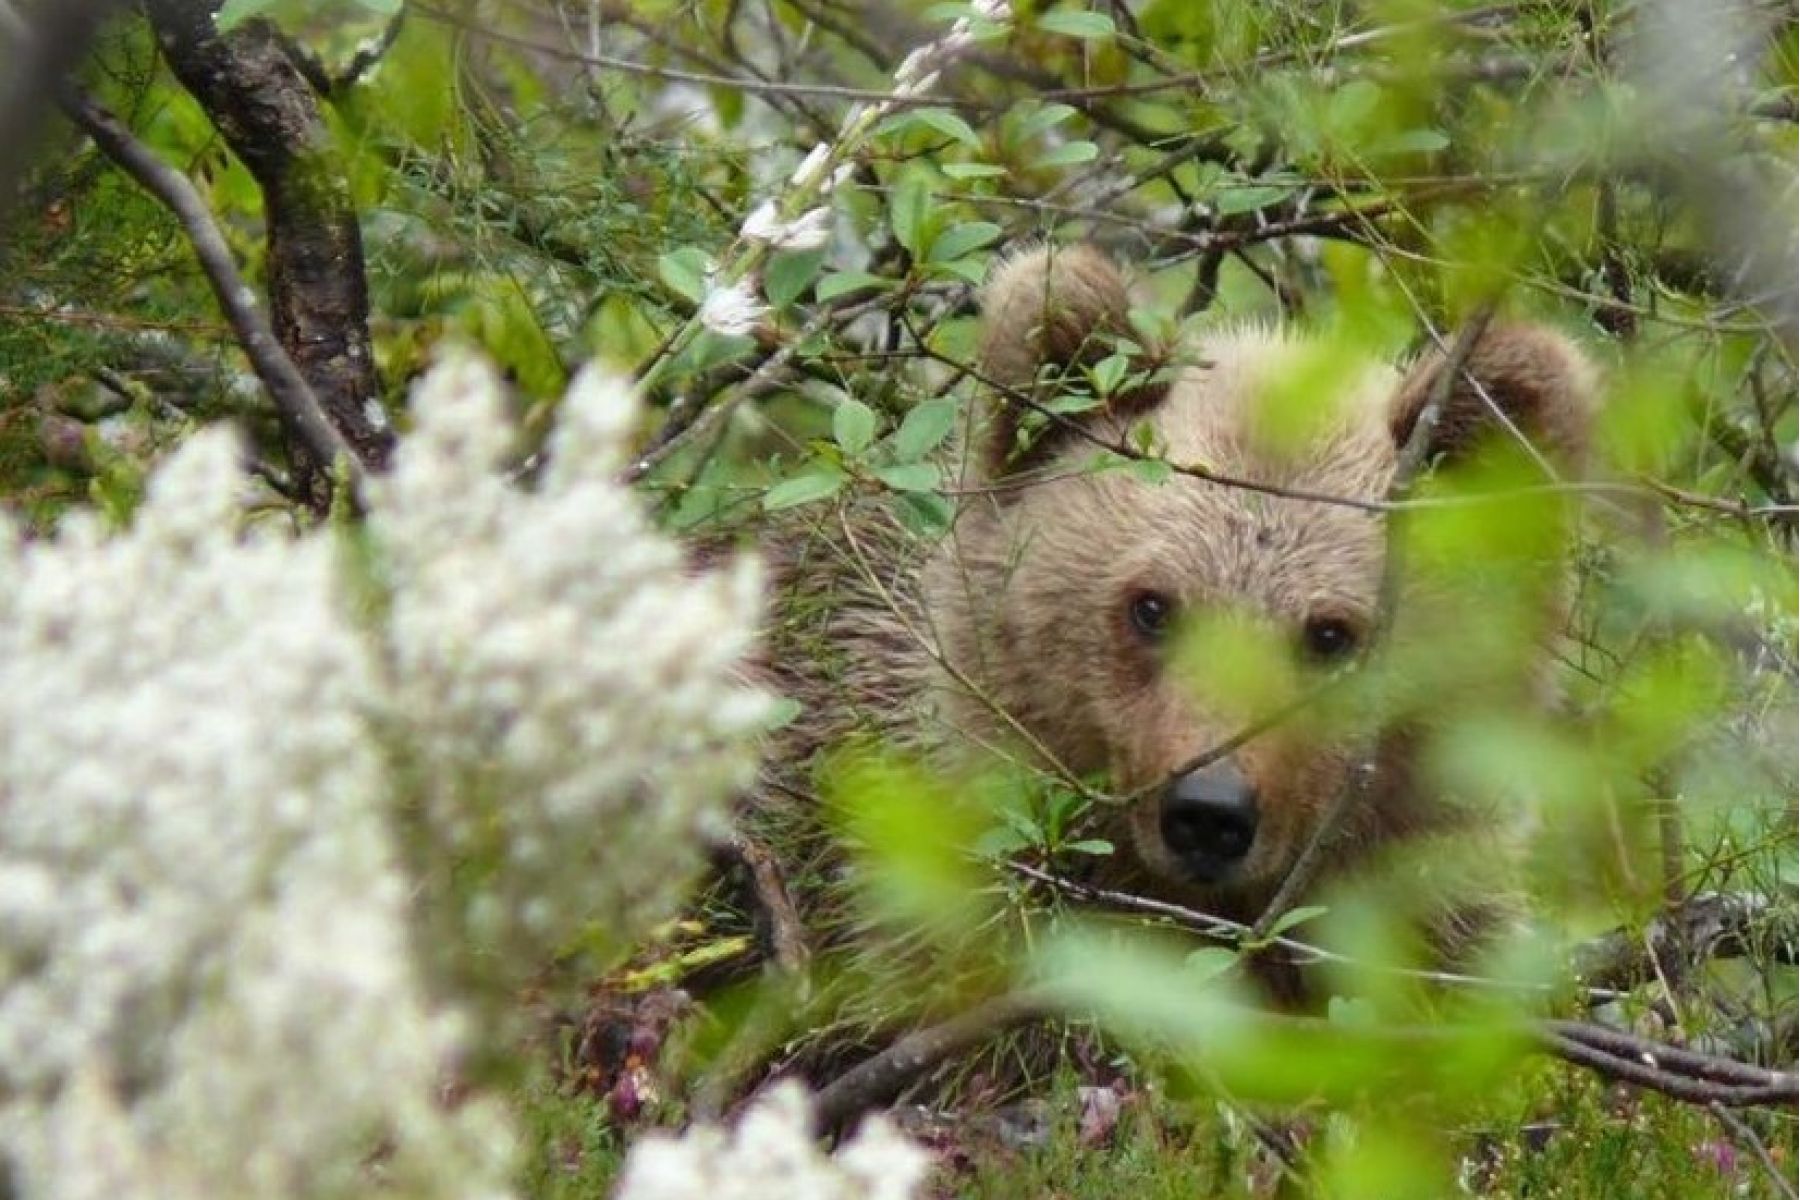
(1209, 820)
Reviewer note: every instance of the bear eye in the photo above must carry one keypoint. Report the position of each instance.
(1329, 640)
(1151, 614)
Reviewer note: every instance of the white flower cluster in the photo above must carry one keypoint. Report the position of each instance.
(205, 981)
(772, 1153)
(731, 305)
(240, 789)
(561, 685)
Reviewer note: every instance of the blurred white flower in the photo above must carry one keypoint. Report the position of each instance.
(732, 310)
(206, 979)
(564, 685)
(772, 1152)
(275, 809)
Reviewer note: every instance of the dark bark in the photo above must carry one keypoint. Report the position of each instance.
(318, 293)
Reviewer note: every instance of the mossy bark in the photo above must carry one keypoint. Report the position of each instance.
(268, 114)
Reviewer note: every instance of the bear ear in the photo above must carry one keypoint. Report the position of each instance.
(1534, 377)
(1047, 312)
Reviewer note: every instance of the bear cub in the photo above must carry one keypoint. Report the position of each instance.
(1044, 627)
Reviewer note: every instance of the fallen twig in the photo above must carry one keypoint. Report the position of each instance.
(877, 1080)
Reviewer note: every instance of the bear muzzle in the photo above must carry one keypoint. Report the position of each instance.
(1208, 820)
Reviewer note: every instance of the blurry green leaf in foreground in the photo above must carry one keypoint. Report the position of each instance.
(912, 834)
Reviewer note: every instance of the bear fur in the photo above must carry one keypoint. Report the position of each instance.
(1014, 636)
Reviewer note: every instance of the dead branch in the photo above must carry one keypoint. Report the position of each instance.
(787, 933)
(1710, 925)
(1623, 1058)
(876, 1081)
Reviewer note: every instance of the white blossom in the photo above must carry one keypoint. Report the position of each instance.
(563, 681)
(274, 809)
(806, 174)
(732, 310)
(206, 983)
(772, 1153)
(992, 10)
(809, 231)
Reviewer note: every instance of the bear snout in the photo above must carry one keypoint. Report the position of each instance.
(1208, 820)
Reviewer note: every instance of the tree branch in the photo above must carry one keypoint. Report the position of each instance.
(295, 404)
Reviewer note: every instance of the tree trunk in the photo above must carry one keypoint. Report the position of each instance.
(318, 293)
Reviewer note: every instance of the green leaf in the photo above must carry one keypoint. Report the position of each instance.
(1069, 154)
(816, 485)
(842, 283)
(233, 13)
(909, 477)
(1109, 372)
(1151, 470)
(960, 170)
(1209, 962)
(1095, 846)
(1069, 404)
(1085, 25)
(853, 426)
(1234, 200)
(788, 274)
(1045, 119)
(1296, 916)
(684, 270)
(970, 270)
(1414, 141)
(925, 514)
(948, 124)
(959, 240)
(782, 713)
(924, 429)
(909, 212)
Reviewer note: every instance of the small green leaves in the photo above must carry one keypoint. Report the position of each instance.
(1069, 154)
(938, 120)
(909, 477)
(684, 270)
(1153, 471)
(1109, 373)
(959, 240)
(842, 283)
(786, 277)
(1044, 119)
(971, 170)
(909, 211)
(1208, 962)
(1088, 26)
(924, 429)
(853, 426)
(1295, 917)
(821, 483)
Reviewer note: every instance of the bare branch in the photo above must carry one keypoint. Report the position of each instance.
(293, 397)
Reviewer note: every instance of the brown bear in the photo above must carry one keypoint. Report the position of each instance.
(1040, 628)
